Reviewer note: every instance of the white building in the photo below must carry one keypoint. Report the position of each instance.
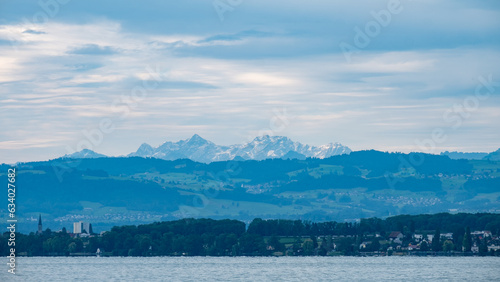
(481, 233)
(448, 236)
(77, 227)
(86, 227)
(494, 248)
(81, 227)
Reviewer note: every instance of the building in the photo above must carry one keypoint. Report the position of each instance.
(86, 227)
(396, 237)
(412, 247)
(418, 237)
(481, 234)
(77, 227)
(40, 229)
(493, 248)
(82, 227)
(364, 245)
(447, 236)
(475, 248)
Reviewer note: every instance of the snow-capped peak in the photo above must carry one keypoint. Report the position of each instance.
(84, 154)
(262, 147)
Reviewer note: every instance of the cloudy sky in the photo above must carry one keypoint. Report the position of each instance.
(388, 75)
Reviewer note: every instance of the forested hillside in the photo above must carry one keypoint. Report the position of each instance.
(116, 191)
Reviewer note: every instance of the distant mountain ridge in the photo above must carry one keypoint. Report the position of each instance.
(264, 147)
(84, 154)
(493, 156)
(468, 156)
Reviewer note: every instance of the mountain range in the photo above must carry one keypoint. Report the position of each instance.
(264, 147)
(493, 156)
(85, 154)
(201, 150)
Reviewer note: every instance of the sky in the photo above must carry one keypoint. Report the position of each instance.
(110, 75)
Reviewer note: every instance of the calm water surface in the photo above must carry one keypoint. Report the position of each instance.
(255, 269)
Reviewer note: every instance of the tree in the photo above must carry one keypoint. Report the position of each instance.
(314, 240)
(79, 245)
(256, 226)
(467, 243)
(483, 247)
(406, 232)
(308, 248)
(345, 245)
(72, 247)
(448, 246)
(276, 244)
(252, 244)
(297, 245)
(424, 247)
(193, 245)
(323, 247)
(458, 236)
(375, 245)
(329, 243)
(412, 226)
(436, 241)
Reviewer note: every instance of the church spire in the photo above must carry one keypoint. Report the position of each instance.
(39, 224)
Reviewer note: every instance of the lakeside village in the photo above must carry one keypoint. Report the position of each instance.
(207, 237)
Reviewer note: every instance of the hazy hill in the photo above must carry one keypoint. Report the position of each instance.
(461, 155)
(494, 156)
(117, 191)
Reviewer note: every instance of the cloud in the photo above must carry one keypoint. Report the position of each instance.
(226, 80)
(31, 31)
(181, 85)
(236, 36)
(93, 85)
(7, 42)
(93, 49)
(85, 67)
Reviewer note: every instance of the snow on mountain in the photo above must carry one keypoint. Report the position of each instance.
(84, 154)
(264, 147)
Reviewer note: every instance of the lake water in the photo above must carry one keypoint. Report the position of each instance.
(255, 269)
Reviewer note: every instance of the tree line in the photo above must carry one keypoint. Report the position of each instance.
(202, 237)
